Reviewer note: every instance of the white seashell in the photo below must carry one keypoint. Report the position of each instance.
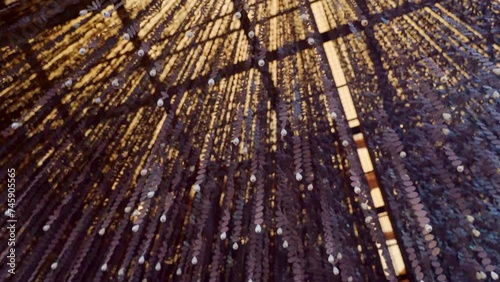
(258, 228)
(364, 22)
(402, 154)
(460, 168)
(428, 228)
(446, 116)
(298, 176)
(115, 82)
(245, 150)
(102, 231)
(140, 53)
(279, 231)
(126, 36)
(331, 259)
(253, 178)
(144, 172)
(349, 279)
(261, 63)
(97, 100)
(479, 275)
(237, 15)
(339, 256)
(158, 266)
(496, 71)
(476, 232)
(76, 25)
(190, 34)
(357, 190)
(194, 261)
(310, 187)
(83, 12)
(163, 218)
(141, 260)
(152, 72)
(106, 14)
(446, 131)
(68, 83)
(251, 34)
(179, 271)
(223, 236)
(82, 51)
(345, 143)
(470, 218)
(303, 17)
(53, 266)
(104, 267)
(283, 132)
(46, 227)
(364, 206)
(443, 79)
(494, 275)
(235, 246)
(333, 115)
(160, 103)
(285, 244)
(496, 95)
(336, 270)
(15, 125)
(310, 41)
(235, 141)
(151, 194)
(135, 228)
(121, 272)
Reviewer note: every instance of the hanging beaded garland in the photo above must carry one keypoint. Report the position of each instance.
(235, 140)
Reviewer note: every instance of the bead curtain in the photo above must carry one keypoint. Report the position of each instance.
(250, 140)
